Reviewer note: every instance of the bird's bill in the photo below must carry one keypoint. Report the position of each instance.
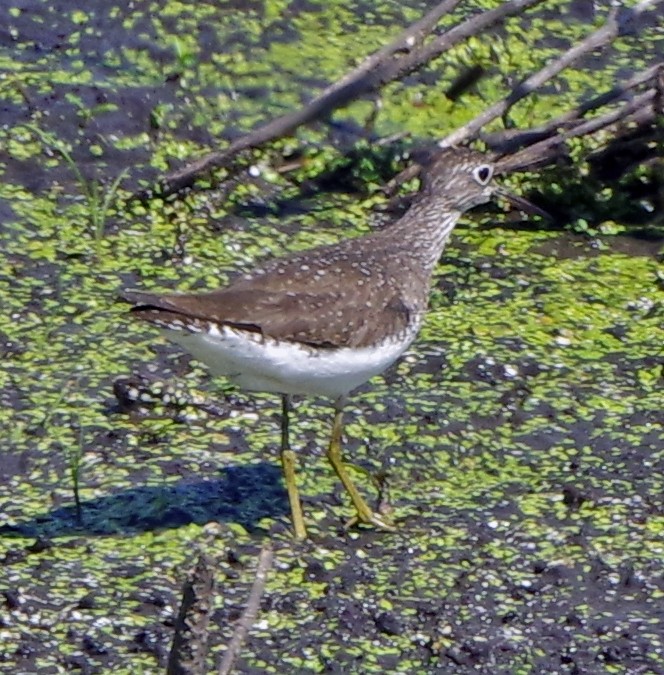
(522, 204)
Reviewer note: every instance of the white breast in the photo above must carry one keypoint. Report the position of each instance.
(261, 364)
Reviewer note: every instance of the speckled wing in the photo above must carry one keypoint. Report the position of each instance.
(285, 302)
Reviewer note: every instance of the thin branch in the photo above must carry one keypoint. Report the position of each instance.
(618, 24)
(190, 643)
(330, 98)
(250, 611)
(508, 141)
(403, 55)
(543, 144)
(447, 40)
(539, 153)
(409, 39)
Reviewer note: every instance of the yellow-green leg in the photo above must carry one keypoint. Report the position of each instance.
(364, 513)
(288, 466)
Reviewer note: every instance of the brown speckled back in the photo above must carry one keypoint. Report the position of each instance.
(357, 293)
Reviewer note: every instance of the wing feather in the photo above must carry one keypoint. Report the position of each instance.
(339, 308)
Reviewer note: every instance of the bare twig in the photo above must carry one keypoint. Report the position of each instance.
(510, 140)
(639, 109)
(190, 643)
(410, 172)
(337, 94)
(617, 24)
(402, 56)
(410, 38)
(435, 48)
(250, 611)
(543, 144)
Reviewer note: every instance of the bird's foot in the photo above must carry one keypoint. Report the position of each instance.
(378, 520)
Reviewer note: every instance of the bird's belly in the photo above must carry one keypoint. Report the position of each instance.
(261, 364)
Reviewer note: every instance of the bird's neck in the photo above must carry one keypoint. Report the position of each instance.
(424, 229)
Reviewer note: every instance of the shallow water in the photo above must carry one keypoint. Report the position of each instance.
(521, 436)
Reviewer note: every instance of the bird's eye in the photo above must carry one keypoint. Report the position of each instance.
(483, 174)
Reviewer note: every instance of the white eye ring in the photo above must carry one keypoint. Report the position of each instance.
(483, 173)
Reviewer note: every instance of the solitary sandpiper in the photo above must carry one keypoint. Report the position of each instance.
(324, 321)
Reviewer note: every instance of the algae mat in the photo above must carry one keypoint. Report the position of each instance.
(521, 436)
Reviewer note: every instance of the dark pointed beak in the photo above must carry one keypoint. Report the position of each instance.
(521, 203)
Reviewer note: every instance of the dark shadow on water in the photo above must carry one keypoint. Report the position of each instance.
(243, 494)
